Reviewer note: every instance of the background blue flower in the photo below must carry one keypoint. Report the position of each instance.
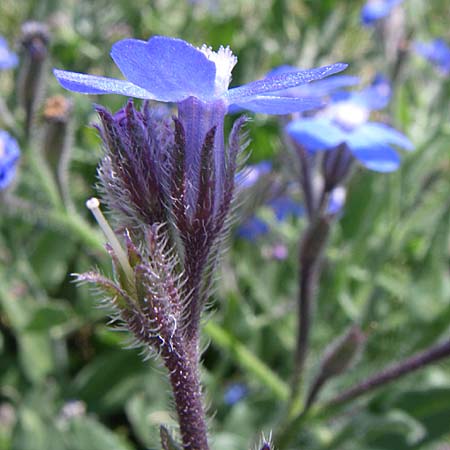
(346, 121)
(8, 59)
(375, 10)
(437, 52)
(9, 155)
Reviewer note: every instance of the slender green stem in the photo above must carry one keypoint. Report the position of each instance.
(247, 360)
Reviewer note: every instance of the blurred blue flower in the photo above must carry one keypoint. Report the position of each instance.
(8, 59)
(252, 229)
(346, 121)
(250, 175)
(374, 10)
(234, 393)
(437, 52)
(285, 206)
(9, 155)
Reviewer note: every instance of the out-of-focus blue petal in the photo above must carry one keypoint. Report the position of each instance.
(378, 133)
(250, 175)
(376, 96)
(91, 84)
(336, 200)
(252, 229)
(286, 206)
(234, 393)
(373, 133)
(265, 104)
(171, 69)
(437, 52)
(280, 82)
(375, 10)
(316, 133)
(9, 155)
(8, 59)
(378, 157)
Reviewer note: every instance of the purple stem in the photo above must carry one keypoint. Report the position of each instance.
(184, 378)
(394, 372)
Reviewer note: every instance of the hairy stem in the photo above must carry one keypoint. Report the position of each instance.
(409, 365)
(183, 367)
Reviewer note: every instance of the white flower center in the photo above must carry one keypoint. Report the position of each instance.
(348, 115)
(224, 61)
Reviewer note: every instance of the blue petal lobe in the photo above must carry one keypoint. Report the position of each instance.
(283, 81)
(316, 134)
(266, 104)
(380, 158)
(374, 133)
(169, 68)
(91, 84)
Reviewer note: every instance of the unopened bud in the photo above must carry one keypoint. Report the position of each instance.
(336, 166)
(34, 41)
(56, 115)
(343, 353)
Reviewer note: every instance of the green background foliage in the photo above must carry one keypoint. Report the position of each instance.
(387, 263)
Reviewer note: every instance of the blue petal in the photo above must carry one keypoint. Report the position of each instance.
(286, 206)
(266, 104)
(252, 229)
(91, 84)
(171, 69)
(316, 134)
(317, 88)
(373, 133)
(251, 174)
(280, 82)
(380, 158)
(375, 10)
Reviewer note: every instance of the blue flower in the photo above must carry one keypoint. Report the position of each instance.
(285, 206)
(197, 79)
(8, 59)
(251, 174)
(172, 70)
(375, 10)
(252, 229)
(234, 393)
(9, 155)
(346, 121)
(437, 52)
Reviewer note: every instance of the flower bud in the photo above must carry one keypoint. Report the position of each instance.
(34, 41)
(336, 165)
(342, 353)
(56, 116)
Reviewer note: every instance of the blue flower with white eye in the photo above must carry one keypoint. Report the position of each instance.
(9, 156)
(374, 10)
(197, 79)
(346, 121)
(8, 59)
(437, 52)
